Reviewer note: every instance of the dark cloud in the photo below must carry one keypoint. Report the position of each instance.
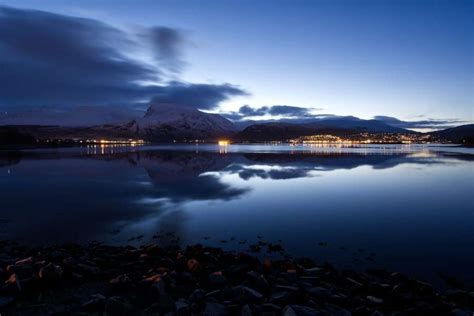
(202, 96)
(168, 44)
(246, 110)
(54, 60)
(286, 111)
(50, 59)
(421, 124)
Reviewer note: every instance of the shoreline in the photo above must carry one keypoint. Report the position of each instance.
(169, 280)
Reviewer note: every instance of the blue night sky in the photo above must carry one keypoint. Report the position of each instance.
(407, 59)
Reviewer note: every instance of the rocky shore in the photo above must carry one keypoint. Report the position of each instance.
(197, 280)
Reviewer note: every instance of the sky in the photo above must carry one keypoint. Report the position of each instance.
(410, 60)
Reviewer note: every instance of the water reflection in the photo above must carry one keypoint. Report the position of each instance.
(399, 198)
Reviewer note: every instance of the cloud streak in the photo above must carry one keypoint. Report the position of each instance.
(282, 111)
(167, 44)
(419, 124)
(247, 115)
(62, 61)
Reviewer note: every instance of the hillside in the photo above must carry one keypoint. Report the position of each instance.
(463, 134)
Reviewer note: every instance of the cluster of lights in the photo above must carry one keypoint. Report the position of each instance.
(365, 138)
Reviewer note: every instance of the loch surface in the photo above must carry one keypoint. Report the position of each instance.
(407, 208)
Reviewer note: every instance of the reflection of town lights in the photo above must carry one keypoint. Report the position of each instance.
(223, 142)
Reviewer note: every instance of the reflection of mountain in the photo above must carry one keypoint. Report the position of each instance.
(170, 166)
(133, 190)
(9, 158)
(181, 176)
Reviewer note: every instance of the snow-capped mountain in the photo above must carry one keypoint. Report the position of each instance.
(165, 122)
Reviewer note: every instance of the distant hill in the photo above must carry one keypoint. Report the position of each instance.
(10, 135)
(168, 122)
(280, 131)
(161, 123)
(463, 134)
(339, 126)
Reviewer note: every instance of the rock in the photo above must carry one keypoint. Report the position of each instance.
(461, 312)
(299, 310)
(279, 297)
(88, 269)
(336, 310)
(156, 281)
(181, 307)
(423, 287)
(193, 265)
(121, 281)
(28, 260)
(197, 295)
(215, 309)
(14, 281)
(258, 280)
(166, 304)
(314, 270)
(249, 287)
(319, 292)
(95, 304)
(287, 288)
(246, 311)
(255, 248)
(69, 263)
(117, 306)
(267, 264)
(51, 273)
(275, 247)
(214, 294)
(5, 301)
(217, 278)
(270, 308)
(374, 299)
(252, 294)
(460, 296)
(354, 283)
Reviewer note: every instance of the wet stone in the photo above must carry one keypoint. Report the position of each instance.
(217, 278)
(5, 301)
(215, 309)
(299, 310)
(246, 311)
(197, 295)
(279, 297)
(95, 303)
(51, 273)
(117, 305)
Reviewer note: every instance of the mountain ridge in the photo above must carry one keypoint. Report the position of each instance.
(166, 122)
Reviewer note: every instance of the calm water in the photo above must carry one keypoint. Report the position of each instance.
(412, 206)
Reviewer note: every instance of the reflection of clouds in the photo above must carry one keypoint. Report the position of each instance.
(336, 161)
(201, 187)
(273, 172)
(185, 176)
(80, 195)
